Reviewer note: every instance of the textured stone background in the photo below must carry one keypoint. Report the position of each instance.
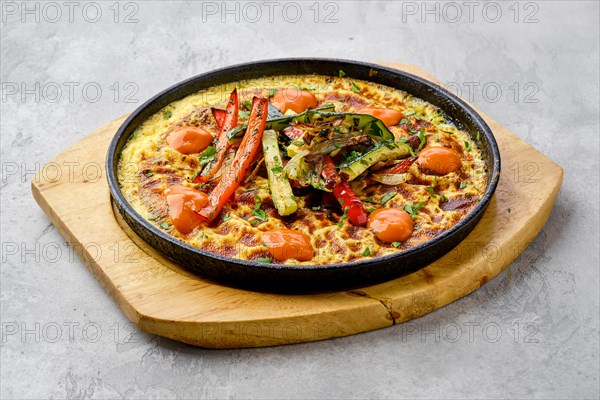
(531, 332)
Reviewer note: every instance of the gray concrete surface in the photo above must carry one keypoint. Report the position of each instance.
(530, 332)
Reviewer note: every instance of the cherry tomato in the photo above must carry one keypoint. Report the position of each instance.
(294, 99)
(387, 116)
(188, 140)
(391, 224)
(440, 160)
(284, 244)
(183, 204)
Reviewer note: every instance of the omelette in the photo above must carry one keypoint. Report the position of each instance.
(302, 170)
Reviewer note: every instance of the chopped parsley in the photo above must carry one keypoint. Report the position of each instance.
(431, 191)
(367, 252)
(227, 217)
(341, 74)
(259, 214)
(369, 200)
(443, 198)
(344, 217)
(388, 196)
(208, 155)
(467, 145)
(355, 88)
(396, 244)
(463, 185)
(422, 138)
(277, 169)
(167, 115)
(405, 121)
(352, 156)
(478, 137)
(272, 92)
(247, 104)
(409, 113)
(244, 114)
(266, 260)
(165, 225)
(412, 209)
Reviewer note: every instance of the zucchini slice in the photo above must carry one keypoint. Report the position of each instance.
(380, 152)
(279, 186)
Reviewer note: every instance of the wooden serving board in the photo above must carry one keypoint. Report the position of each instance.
(162, 298)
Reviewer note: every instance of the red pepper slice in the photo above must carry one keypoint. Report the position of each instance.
(230, 121)
(329, 173)
(292, 132)
(219, 115)
(344, 194)
(400, 168)
(235, 174)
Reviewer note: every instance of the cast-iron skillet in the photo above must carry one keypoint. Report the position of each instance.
(284, 278)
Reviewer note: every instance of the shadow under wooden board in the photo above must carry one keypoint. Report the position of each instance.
(162, 298)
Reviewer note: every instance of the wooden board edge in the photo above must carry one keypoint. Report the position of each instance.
(218, 334)
(83, 252)
(262, 333)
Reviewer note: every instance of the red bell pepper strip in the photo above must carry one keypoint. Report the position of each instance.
(347, 198)
(344, 194)
(400, 168)
(241, 164)
(293, 133)
(219, 115)
(230, 121)
(331, 176)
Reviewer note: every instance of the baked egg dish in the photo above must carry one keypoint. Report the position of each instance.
(302, 170)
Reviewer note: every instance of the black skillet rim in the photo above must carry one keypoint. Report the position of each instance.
(475, 214)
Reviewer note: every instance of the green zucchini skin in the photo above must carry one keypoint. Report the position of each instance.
(279, 186)
(380, 152)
